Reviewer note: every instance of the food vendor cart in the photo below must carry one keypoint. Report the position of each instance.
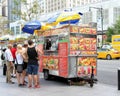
(69, 52)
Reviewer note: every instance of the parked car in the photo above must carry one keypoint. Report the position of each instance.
(108, 53)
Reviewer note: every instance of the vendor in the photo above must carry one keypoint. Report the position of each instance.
(48, 44)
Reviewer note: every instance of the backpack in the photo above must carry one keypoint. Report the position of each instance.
(2, 57)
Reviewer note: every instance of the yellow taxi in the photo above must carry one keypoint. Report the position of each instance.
(107, 52)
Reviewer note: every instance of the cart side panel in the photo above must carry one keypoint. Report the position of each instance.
(72, 67)
(63, 59)
(63, 66)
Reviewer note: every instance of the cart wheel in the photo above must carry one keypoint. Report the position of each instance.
(91, 84)
(69, 82)
(46, 75)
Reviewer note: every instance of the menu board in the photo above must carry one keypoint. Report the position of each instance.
(74, 29)
(63, 49)
(63, 66)
(83, 45)
(87, 30)
(85, 65)
(59, 31)
(47, 33)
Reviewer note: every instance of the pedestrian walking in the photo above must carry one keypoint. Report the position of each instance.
(9, 63)
(32, 68)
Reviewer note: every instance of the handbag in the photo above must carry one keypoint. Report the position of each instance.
(19, 67)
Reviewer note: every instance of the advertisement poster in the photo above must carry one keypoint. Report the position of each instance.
(85, 65)
(63, 49)
(85, 30)
(50, 62)
(74, 29)
(59, 31)
(63, 66)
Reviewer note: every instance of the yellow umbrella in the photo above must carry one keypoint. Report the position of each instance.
(43, 28)
(64, 18)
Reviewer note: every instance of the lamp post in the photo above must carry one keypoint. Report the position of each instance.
(101, 15)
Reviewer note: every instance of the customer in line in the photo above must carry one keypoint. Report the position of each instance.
(9, 63)
(25, 60)
(13, 51)
(19, 62)
(32, 68)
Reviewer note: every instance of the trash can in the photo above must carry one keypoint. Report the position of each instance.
(4, 69)
(118, 78)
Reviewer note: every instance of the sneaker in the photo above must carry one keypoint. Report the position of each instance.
(37, 86)
(20, 85)
(25, 82)
(11, 82)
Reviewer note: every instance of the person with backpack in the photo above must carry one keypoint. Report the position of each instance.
(3, 61)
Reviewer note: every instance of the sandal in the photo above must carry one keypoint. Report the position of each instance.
(30, 86)
(37, 86)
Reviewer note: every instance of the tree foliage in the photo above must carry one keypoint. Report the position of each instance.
(109, 33)
(30, 9)
(114, 30)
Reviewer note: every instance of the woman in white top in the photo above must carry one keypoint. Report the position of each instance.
(19, 62)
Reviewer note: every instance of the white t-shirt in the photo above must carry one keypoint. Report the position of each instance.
(19, 59)
(8, 55)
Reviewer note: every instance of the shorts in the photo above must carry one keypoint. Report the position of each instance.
(16, 66)
(25, 65)
(32, 69)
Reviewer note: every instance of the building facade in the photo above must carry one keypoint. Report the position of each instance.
(55, 5)
(110, 10)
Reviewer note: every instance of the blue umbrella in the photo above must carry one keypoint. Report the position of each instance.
(30, 27)
(70, 22)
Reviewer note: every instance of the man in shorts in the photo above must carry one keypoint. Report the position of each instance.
(32, 68)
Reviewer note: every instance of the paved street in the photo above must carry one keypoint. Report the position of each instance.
(55, 88)
(107, 71)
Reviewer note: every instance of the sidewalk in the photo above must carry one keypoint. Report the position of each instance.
(52, 88)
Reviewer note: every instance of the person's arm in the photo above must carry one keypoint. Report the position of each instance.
(40, 52)
(24, 54)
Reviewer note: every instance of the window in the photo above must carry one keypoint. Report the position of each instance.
(12, 29)
(17, 29)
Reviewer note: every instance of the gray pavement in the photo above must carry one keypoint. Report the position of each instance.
(53, 88)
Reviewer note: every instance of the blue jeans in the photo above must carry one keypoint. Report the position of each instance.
(32, 69)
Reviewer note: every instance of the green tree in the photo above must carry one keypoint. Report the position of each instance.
(114, 30)
(30, 10)
(109, 33)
